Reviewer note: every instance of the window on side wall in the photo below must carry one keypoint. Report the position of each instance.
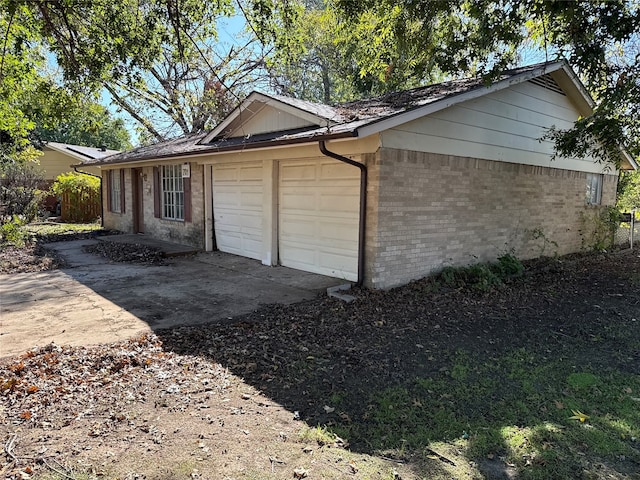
(115, 191)
(594, 188)
(172, 192)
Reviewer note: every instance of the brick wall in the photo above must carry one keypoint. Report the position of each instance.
(427, 211)
(122, 222)
(188, 233)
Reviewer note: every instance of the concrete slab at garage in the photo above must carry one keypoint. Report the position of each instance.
(93, 300)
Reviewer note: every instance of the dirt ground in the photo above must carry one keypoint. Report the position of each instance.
(243, 400)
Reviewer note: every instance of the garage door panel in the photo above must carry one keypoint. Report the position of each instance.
(300, 171)
(301, 201)
(340, 206)
(338, 171)
(237, 208)
(318, 217)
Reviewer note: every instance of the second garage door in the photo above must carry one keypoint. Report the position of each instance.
(237, 208)
(318, 217)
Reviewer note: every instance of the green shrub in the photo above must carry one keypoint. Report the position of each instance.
(80, 194)
(509, 266)
(482, 276)
(12, 232)
(20, 191)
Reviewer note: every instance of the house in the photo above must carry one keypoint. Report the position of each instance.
(58, 158)
(379, 191)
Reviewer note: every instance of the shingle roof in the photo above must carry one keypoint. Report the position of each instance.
(346, 119)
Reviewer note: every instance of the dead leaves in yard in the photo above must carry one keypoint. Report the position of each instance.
(54, 387)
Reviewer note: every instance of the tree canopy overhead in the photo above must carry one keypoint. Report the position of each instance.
(161, 60)
(600, 39)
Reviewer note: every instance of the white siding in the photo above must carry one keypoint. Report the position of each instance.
(503, 126)
(270, 119)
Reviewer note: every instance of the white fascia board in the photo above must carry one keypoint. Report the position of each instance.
(567, 79)
(626, 157)
(420, 112)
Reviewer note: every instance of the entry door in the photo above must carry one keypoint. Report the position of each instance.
(319, 217)
(137, 186)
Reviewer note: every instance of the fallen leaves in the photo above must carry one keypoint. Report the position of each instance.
(300, 473)
(49, 382)
(578, 415)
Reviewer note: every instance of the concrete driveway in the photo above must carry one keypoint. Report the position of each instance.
(95, 301)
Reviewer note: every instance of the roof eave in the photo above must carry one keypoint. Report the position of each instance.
(232, 148)
(382, 124)
(628, 162)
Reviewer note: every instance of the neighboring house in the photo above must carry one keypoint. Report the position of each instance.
(381, 191)
(58, 158)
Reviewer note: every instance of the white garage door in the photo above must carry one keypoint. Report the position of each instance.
(237, 208)
(318, 217)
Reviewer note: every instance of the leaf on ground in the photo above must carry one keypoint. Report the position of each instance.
(578, 415)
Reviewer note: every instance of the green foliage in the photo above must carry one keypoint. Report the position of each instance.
(31, 97)
(318, 434)
(518, 406)
(482, 276)
(509, 266)
(628, 193)
(20, 191)
(159, 60)
(78, 190)
(72, 182)
(330, 60)
(599, 39)
(582, 380)
(598, 227)
(85, 123)
(12, 232)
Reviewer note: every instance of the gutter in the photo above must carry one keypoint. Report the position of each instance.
(240, 147)
(363, 205)
(75, 169)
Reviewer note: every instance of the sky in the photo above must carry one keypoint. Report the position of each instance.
(228, 28)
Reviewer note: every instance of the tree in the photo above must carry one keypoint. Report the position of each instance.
(34, 106)
(629, 191)
(599, 39)
(156, 58)
(180, 95)
(85, 123)
(327, 58)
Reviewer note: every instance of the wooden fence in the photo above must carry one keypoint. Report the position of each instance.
(81, 206)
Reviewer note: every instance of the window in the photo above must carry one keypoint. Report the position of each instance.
(115, 191)
(594, 188)
(172, 192)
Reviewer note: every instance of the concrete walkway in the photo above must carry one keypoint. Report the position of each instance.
(95, 301)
